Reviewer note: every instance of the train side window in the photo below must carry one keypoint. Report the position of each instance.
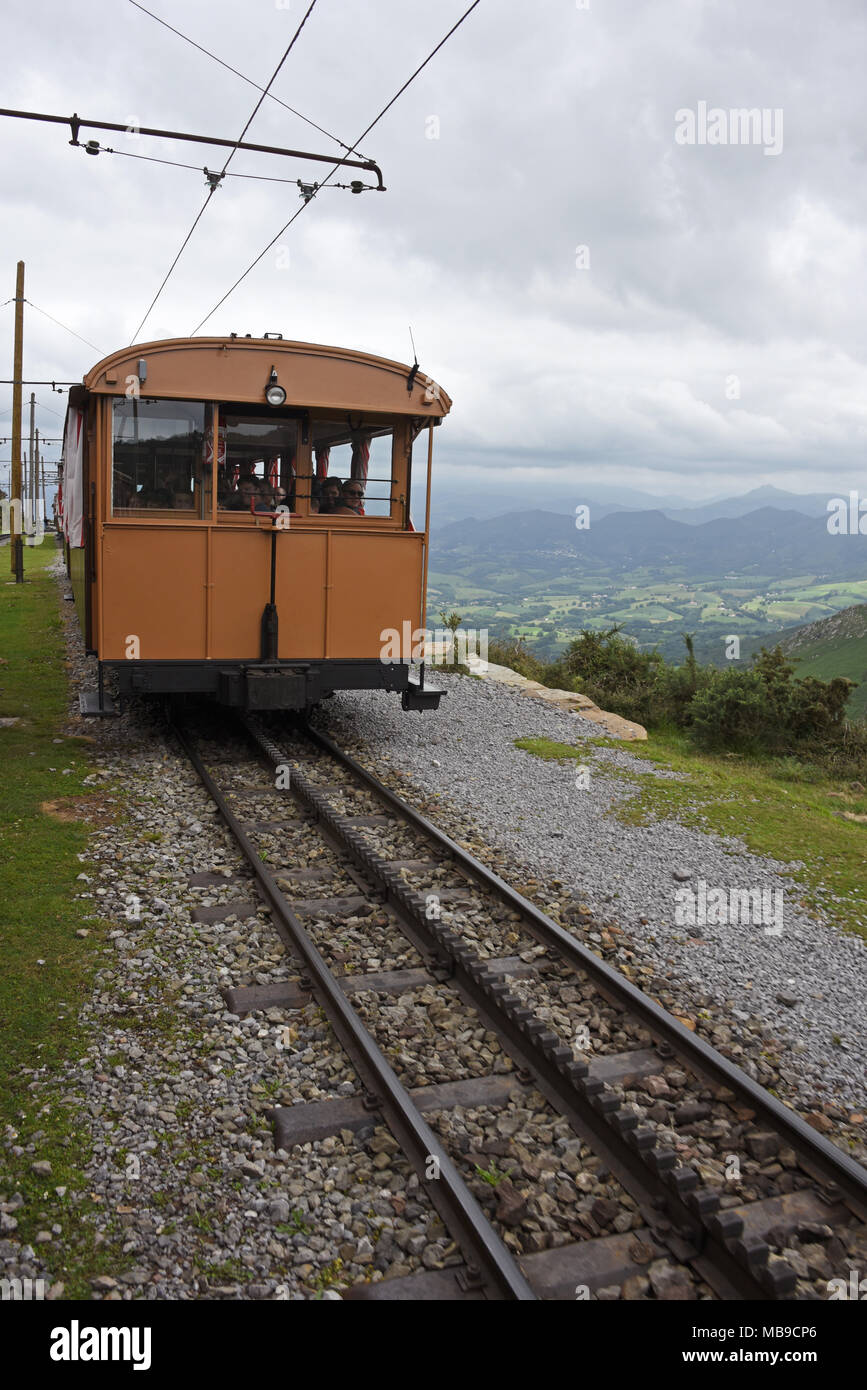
(158, 457)
(359, 459)
(257, 465)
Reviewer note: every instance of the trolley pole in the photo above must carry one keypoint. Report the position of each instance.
(15, 543)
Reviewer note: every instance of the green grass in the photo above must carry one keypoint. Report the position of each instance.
(845, 656)
(785, 808)
(492, 1176)
(39, 917)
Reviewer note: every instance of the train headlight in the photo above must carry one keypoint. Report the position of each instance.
(274, 393)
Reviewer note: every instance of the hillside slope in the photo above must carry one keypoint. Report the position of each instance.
(835, 646)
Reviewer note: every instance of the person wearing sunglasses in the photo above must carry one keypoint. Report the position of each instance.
(351, 499)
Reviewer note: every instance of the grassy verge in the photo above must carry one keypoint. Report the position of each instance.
(45, 968)
(781, 807)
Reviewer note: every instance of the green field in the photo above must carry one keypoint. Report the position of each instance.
(655, 612)
(654, 609)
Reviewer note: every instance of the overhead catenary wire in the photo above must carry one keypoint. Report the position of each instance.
(176, 164)
(50, 409)
(64, 326)
(243, 77)
(399, 93)
(214, 186)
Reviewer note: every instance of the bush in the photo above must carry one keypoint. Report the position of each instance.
(610, 670)
(732, 710)
(763, 708)
(515, 655)
(767, 705)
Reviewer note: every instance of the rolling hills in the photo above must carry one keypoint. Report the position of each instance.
(533, 573)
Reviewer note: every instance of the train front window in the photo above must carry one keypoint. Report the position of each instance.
(257, 463)
(160, 457)
(352, 473)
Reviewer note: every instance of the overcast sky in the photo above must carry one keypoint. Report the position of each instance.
(710, 338)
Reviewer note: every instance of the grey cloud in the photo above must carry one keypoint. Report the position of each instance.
(556, 130)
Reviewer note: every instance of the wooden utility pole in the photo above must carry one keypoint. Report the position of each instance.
(31, 467)
(17, 373)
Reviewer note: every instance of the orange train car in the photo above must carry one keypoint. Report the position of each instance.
(237, 520)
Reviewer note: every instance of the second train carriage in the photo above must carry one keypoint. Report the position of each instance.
(202, 553)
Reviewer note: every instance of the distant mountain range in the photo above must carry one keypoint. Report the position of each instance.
(453, 501)
(811, 504)
(766, 541)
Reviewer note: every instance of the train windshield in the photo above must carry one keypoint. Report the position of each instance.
(171, 459)
(158, 461)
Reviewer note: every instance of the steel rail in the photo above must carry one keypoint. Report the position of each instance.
(677, 1210)
(834, 1168)
(448, 1192)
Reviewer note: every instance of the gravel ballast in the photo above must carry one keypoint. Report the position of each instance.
(807, 984)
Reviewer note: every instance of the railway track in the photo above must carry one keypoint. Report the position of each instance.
(662, 1169)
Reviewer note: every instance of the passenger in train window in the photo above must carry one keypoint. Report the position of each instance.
(244, 494)
(351, 498)
(329, 495)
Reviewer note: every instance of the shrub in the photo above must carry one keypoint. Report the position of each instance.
(763, 708)
(610, 670)
(768, 705)
(514, 654)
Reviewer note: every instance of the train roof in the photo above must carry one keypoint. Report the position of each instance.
(238, 369)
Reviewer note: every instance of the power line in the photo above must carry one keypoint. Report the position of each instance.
(333, 171)
(214, 186)
(64, 326)
(243, 78)
(310, 9)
